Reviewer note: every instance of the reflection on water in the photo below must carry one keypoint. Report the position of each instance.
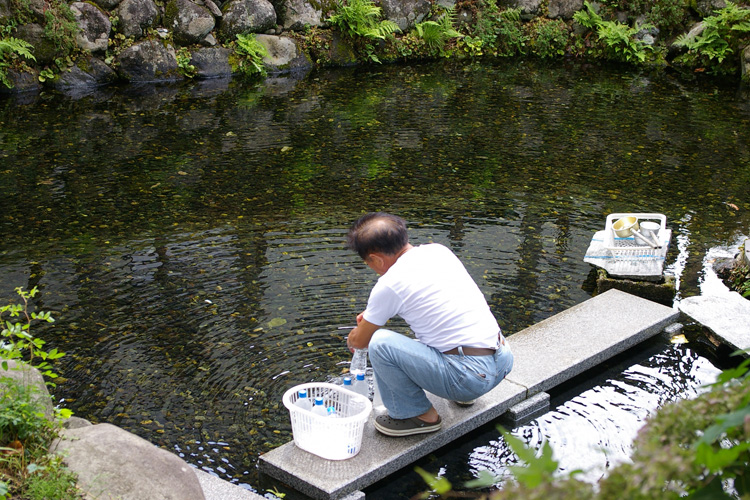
(190, 239)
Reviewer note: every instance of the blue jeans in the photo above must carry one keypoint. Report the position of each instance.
(405, 368)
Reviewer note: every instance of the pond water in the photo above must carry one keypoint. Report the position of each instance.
(190, 238)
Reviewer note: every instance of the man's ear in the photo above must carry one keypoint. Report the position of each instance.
(377, 259)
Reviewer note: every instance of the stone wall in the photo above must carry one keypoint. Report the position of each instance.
(145, 41)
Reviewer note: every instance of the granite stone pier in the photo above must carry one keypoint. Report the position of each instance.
(726, 315)
(546, 355)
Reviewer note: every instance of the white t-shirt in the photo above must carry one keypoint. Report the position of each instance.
(431, 290)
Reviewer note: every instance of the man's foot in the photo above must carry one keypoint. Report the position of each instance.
(405, 427)
(466, 403)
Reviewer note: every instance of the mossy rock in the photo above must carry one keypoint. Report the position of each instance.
(661, 292)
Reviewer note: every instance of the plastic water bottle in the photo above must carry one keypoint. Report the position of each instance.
(331, 411)
(359, 362)
(303, 401)
(360, 385)
(319, 408)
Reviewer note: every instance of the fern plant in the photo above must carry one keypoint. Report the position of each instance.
(437, 33)
(721, 36)
(361, 18)
(588, 18)
(511, 40)
(9, 48)
(251, 53)
(619, 41)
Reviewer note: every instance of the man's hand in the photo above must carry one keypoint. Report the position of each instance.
(359, 337)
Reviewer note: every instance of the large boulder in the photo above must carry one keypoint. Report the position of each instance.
(405, 13)
(295, 15)
(707, 8)
(529, 8)
(112, 463)
(43, 49)
(341, 52)
(108, 4)
(136, 16)
(283, 54)
(21, 81)
(211, 62)
(246, 16)
(148, 61)
(93, 35)
(189, 22)
(564, 9)
(5, 12)
(87, 72)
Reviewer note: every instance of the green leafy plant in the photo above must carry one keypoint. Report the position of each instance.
(46, 74)
(471, 46)
(667, 15)
(22, 416)
(26, 430)
(436, 34)
(52, 482)
(361, 18)
(183, 63)
(739, 280)
(9, 49)
(619, 41)
(60, 26)
(18, 343)
(509, 37)
(28, 471)
(548, 38)
(251, 53)
(723, 34)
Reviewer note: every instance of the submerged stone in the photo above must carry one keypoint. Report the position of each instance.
(661, 292)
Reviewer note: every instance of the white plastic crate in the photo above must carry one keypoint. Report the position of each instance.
(625, 257)
(628, 249)
(332, 438)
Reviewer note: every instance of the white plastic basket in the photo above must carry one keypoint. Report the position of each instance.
(627, 249)
(332, 438)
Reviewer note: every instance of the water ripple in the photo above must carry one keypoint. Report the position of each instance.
(594, 431)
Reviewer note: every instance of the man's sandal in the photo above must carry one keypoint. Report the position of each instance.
(406, 426)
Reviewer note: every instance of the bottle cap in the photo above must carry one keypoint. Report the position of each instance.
(302, 393)
(360, 376)
(347, 381)
(319, 401)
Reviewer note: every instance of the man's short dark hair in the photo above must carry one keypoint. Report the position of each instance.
(377, 232)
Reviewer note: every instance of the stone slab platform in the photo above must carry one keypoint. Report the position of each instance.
(546, 355)
(215, 488)
(727, 315)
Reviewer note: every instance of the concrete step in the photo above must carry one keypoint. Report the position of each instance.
(546, 355)
(726, 315)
